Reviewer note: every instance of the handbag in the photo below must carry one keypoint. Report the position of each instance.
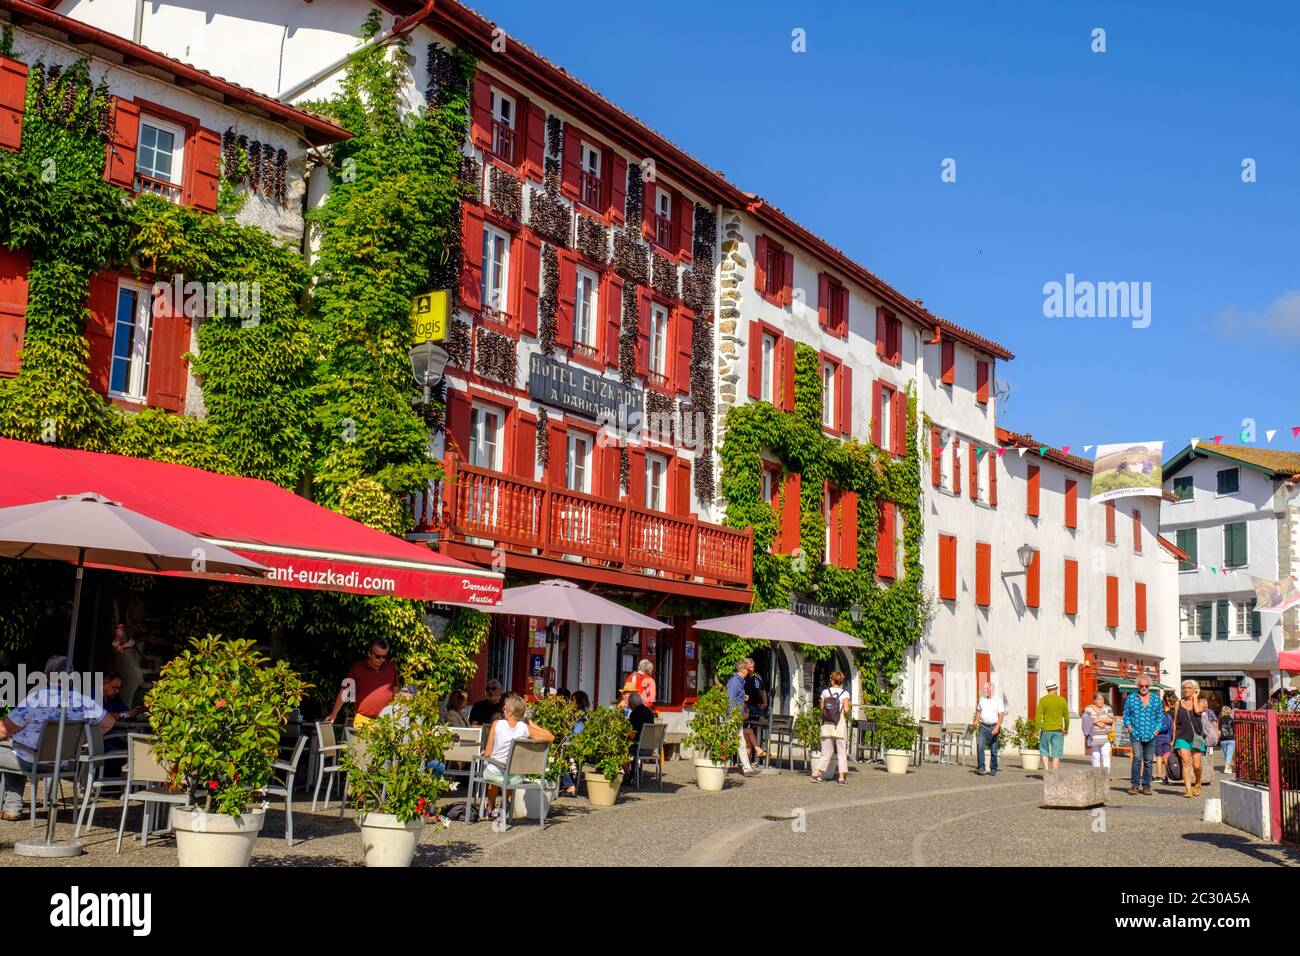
(1173, 766)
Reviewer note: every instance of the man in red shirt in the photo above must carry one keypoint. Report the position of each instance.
(370, 684)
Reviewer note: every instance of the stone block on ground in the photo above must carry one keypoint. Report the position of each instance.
(1075, 788)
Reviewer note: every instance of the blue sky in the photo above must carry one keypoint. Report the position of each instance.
(1117, 166)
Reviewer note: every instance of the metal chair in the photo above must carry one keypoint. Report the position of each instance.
(282, 786)
(43, 757)
(95, 763)
(649, 747)
(148, 783)
(524, 769)
(356, 746)
(327, 752)
(782, 738)
(866, 744)
(466, 744)
(931, 740)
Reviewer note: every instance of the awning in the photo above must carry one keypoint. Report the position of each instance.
(1128, 686)
(305, 545)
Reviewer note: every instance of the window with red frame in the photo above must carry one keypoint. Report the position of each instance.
(165, 153)
(833, 306)
(773, 271)
(889, 337)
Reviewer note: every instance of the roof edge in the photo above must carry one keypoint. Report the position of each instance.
(1018, 440)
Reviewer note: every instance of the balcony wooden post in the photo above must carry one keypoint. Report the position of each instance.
(449, 497)
(693, 543)
(545, 531)
(624, 531)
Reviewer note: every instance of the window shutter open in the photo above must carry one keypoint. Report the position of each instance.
(120, 167)
(613, 319)
(1112, 601)
(532, 284)
(102, 304)
(1140, 607)
(611, 479)
(947, 567)
(1071, 586)
(642, 333)
(13, 306)
(948, 360)
(682, 487)
(571, 181)
(684, 211)
(471, 272)
(1221, 608)
(1064, 670)
(205, 171)
(481, 112)
(13, 99)
(982, 382)
(1137, 531)
(457, 434)
(1071, 503)
(972, 462)
(523, 462)
(617, 188)
(983, 573)
(877, 409)
(535, 142)
(849, 529)
(956, 466)
(557, 462)
(1031, 492)
(1256, 625)
(565, 304)
(755, 360)
(649, 207)
(844, 394)
(885, 559)
(993, 477)
(685, 329)
(169, 341)
(1205, 623)
(787, 287)
(787, 373)
(899, 425)
(790, 512)
(936, 459)
(882, 332)
(824, 301)
(1033, 580)
(760, 265)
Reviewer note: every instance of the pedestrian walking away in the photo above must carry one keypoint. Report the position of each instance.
(989, 714)
(835, 707)
(1142, 718)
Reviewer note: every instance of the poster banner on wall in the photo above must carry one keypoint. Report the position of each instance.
(1274, 597)
(1123, 471)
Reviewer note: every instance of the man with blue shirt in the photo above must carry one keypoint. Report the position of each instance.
(736, 696)
(1142, 718)
(22, 728)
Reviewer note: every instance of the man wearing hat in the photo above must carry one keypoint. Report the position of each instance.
(1053, 724)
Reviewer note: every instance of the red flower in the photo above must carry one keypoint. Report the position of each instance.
(212, 785)
(222, 702)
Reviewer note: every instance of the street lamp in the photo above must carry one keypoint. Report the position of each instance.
(428, 361)
(1025, 555)
(855, 613)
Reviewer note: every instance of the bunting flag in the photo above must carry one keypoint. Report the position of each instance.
(1194, 442)
(1269, 434)
(1295, 431)
(1217, 439)
(1214, 570)
(1065, 449)
(1001, 451)
(1022, 451)
(1042, 450)
(979, 452)
(1087, 448)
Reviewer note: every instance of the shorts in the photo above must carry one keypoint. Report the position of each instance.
(493, 775)
(1051, 743)
(1188, 745)
(360, 720)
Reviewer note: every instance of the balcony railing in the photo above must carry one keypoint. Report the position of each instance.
(477, 505)
(157, 187)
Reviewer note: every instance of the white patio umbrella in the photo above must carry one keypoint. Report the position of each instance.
(89, 529)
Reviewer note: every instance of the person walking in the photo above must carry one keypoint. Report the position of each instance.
(1165, 735)
(1189, 737)
(1228, 735)
(989, 714)
(1053, 725)
(1142, 714)
(835, 728)
(736, 697)
(1099, 729)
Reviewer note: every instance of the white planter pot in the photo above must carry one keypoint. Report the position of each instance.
(1031, 759)
(534, 804)
(709, 774)
(602, 792)
(215, 839)
(388, 842)
(897, 761)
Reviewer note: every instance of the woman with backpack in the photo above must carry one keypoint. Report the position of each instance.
(835, 727)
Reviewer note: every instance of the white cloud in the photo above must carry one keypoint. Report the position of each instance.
(1281, 318)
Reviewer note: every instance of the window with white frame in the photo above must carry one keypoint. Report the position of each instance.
(658, 358)
(826, 518)
(656, 482)
(1072, 686)
(945, 465)
(590, 176)
(503, 126)
(496, 269)
(768, 388)
(887, 399)
(132, 329)
(1195, 625)
(768, 486)
(828, 394)
(159, 158)
(585, 311)
(663, 218)
(982, 477)
(578, 464)
(1242, 618)
(486, 425)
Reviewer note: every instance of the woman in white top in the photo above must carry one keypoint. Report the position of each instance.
(1099, 721)
(501, 737)
(834, 734)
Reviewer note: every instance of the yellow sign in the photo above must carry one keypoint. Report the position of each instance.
(429, 313)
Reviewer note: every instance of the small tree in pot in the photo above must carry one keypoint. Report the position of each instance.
(897, 732)
(217, 712)
(1025, 737)
(558, 715)
(392, 785)
(715, 737)
(605, 744)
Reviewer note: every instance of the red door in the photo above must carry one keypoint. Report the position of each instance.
(936, 698)
(1033, 694)
(983, 672)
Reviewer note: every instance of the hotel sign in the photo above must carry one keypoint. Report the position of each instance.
(578, 390)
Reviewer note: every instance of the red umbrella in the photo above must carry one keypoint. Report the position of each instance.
(1289, 661)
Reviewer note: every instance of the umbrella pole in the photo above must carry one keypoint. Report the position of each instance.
(771, 700)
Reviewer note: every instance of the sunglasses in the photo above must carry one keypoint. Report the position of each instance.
(379, 657)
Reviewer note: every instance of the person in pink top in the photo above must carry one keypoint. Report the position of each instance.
(643, 682)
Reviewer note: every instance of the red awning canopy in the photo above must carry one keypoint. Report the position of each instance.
(305, 545)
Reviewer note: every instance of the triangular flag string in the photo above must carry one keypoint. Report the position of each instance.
(1269, 434)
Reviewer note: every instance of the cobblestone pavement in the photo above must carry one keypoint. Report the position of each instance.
(935, 815)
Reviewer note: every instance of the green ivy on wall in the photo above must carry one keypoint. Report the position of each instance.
(893, 617)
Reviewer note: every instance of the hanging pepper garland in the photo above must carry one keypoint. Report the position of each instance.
(663, 276)
(635, 193)
(631, 258)
(628, 336)
(593, 240)
(548, 217)
(548, 299)
(698, 294)
(496, 357)
(506, 193)
(543, 439)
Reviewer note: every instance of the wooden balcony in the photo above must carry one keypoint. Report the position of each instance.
(478, 506)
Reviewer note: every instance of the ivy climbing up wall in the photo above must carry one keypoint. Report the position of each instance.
(893, 617)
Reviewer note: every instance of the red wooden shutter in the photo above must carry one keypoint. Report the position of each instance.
(557, 461)
(13, 98)
(564, 312)
(684, 212)
(787, 275)
(898, 436)
(936, 460)
(844, 391)
(1137, 531)
(877, 406)
(682, 487)
(849, 529)
(169, 341)
(471, 271)
(205, 172)
(755, 360)
(613, 319)
(982, 382)
(120, 167)
(983, 671)
(881, 332)
(947, 567)
(610, 477)
(458, 408)
(535, 141)
(1031, 492)
(790, 531)
(972, 459)
(1140, 607)
(760, 265)
(824, 301)
(649, 207)
(571, 182)
(956, 466)
(531, 284)
(685, 326)
(13, 305)
(895, 341)
(481, 112)
(885, 537)
(1064, 689)
(1110, 522)
(1031, 687)
(983, 573)
(642, 333)
(948, 361)
(523, 460)
(617, 188)
(993, 477)
(102, 303)
(636, 477)
(1071, 586)
(1033, 578)
(1112, 601)
(787, 373)
(1071, 503)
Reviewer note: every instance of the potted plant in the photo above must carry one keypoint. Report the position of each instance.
(558, 715)
(897, 733)
(808, 728)
(605, 745)
(715, 737)
(391, 782)
(217, 711)
(1025, 737)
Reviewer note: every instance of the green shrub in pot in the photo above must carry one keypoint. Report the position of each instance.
(715, 726)
(389, 772)
(558, 715)
(605, 742)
